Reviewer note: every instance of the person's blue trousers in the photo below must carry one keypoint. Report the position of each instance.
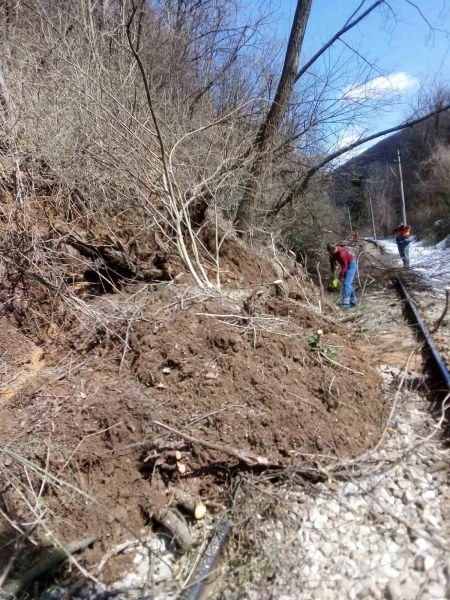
(349, 297)
(403, 250)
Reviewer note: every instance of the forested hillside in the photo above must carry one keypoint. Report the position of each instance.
(425, 160)
(164, 110)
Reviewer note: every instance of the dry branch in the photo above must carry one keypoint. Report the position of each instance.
(444, 312)
(244, 456)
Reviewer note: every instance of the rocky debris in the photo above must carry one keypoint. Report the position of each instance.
(381, 535)
(152, 564)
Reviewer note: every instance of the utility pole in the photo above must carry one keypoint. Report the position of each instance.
(401, 186)
(371, 214)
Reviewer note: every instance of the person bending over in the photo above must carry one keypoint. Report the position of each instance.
(347, 262)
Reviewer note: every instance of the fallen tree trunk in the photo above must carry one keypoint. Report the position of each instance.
(19, 583)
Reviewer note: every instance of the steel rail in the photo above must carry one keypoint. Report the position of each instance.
(435, 356)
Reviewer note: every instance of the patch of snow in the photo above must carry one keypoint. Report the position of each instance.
(432, 262)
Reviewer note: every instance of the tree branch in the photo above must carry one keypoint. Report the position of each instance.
(300, 189)
(336, 36)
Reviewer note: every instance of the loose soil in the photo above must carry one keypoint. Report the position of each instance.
(242, 368)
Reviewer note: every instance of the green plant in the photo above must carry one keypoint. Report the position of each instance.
(315, 343)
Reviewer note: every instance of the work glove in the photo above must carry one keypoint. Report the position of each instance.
(334, 283)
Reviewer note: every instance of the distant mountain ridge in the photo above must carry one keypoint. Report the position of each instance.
(384, 152)
(375, 173)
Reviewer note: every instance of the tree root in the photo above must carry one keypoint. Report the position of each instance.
(175, 525)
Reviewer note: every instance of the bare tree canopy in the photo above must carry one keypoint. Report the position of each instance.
(274, 124)
(179, 107)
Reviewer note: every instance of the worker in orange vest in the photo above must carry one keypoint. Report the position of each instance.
(403, 239)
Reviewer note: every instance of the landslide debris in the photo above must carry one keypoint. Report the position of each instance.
(234, 369)
(92, 366)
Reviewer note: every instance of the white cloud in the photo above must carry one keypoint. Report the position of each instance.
(380, 86)
(349, 138)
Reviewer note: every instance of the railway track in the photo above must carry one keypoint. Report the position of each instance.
(436, 362)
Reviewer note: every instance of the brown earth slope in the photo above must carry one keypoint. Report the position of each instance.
(244, 368)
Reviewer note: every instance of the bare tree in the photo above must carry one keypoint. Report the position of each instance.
(274, 134)
(271, 125)
(290, 75)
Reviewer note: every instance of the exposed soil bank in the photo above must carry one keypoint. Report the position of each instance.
(246, 369)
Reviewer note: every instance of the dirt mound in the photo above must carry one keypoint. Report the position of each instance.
(254, 382)
(248, 371)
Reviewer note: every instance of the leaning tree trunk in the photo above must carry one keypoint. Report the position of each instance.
(270, 127)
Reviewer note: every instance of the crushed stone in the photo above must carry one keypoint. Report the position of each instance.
(383, 533)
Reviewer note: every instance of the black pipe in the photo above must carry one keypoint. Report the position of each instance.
(208, 561)
(435, 356)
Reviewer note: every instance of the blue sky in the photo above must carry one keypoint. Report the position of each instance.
(408, 55)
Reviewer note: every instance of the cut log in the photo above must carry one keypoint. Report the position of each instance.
(194, 507)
